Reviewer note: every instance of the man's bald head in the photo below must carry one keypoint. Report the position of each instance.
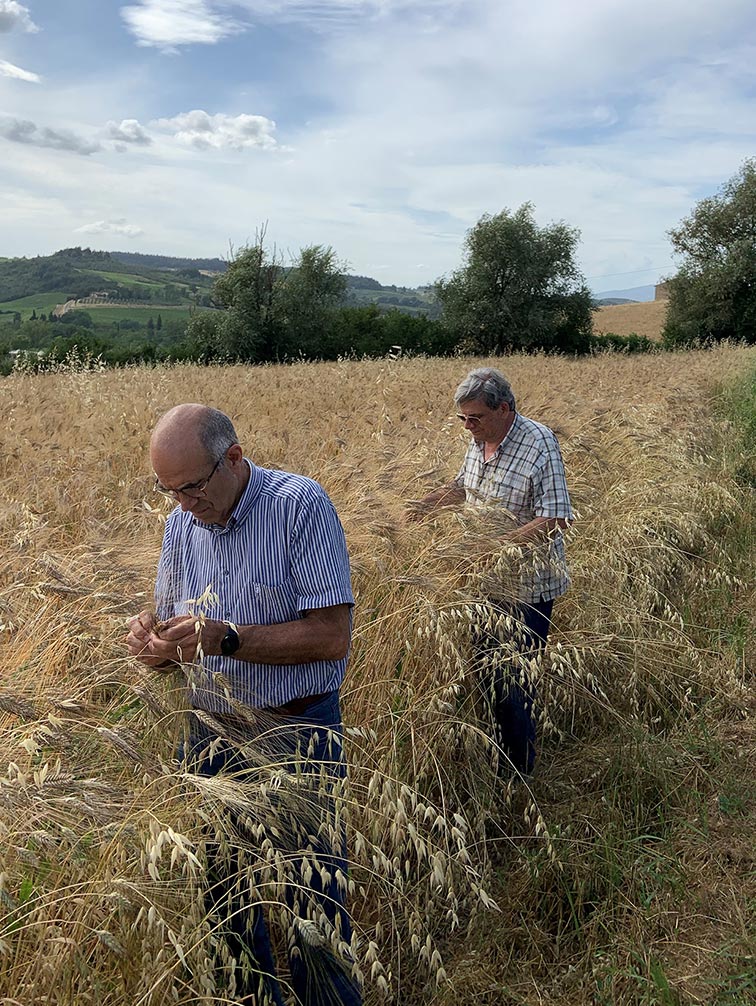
(197, 458)
(194, 425)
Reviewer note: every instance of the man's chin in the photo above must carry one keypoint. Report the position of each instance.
(208, 516)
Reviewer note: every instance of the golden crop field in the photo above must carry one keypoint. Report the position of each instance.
(632, 319)
(593, 883)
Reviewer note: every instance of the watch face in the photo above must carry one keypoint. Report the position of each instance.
(230, 642)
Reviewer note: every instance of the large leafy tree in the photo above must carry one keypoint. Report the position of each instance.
(270, 311)
(518, 288)
(314, 287)
(713, 294)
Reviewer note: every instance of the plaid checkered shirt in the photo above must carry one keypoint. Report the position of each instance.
(526, 475)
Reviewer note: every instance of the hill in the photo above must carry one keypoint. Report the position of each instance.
(76, 273)
(39, 284)
(170, 262)
(639, 293)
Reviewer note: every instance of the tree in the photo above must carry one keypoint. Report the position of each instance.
(518, 288)
(314, 287)
(249, 290)
(271, 311)
(713, 295)
(203, 336)
(81, 319)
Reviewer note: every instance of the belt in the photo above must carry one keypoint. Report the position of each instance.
(241, 725)
(299, 706)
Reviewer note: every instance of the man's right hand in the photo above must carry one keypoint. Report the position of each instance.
(449, 495)
(138, 640)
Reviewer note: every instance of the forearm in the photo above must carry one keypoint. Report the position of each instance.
(320, 634)
(299, 642)
(536, 530)
(450, 494)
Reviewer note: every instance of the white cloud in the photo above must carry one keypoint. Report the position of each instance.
(166, 24)
(15, 15)
(16, 72)
(119, 226)
(343, 11)
(129, 131)
(25, 131)
(201, 130)
(406, 120)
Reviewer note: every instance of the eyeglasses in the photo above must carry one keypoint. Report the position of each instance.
(195, 490)
(469, 419)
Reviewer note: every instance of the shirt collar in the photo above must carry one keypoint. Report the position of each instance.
(243, 507)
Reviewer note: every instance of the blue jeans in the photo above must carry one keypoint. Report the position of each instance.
(308, 745)
(511, 692)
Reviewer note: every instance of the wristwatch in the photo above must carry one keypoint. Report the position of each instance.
(230, 642)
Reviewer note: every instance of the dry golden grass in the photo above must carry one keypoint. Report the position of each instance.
(628, 319)
(101, 864)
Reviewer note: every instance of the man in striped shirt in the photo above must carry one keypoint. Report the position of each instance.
(515, 463)
(266, 553)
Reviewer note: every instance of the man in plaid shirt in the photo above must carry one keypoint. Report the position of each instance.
(514, 462)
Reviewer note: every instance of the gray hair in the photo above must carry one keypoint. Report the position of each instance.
(487, 385)
(216, 433)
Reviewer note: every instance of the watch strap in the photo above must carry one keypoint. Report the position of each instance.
(230, 642)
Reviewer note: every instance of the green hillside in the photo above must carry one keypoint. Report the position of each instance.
(42, 303)
(111, 313)
(38, 284)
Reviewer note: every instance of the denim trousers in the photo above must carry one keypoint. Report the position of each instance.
(307, 747)
(507, 684)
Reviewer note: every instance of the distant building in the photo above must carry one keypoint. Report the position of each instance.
(661, 290)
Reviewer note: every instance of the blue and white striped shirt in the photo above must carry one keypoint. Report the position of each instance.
(282, 553)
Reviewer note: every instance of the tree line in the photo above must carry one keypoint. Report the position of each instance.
(518, 288)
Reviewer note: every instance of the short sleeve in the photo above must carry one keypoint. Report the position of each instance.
(319, 559)
(550, 495)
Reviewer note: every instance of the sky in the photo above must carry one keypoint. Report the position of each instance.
(382, 128)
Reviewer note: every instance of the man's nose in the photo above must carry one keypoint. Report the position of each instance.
(186, 502)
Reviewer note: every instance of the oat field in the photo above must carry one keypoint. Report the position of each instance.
(620, 873)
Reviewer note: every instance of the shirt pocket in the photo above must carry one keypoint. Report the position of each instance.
(267, 604)
(514, 492)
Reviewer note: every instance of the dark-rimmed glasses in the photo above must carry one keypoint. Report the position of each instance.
(195, 490)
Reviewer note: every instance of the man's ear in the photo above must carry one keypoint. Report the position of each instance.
(234, 455)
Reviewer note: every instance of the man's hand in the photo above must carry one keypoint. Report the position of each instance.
(177, 639)
(140, 637)
(174, 641)
(448, 495)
